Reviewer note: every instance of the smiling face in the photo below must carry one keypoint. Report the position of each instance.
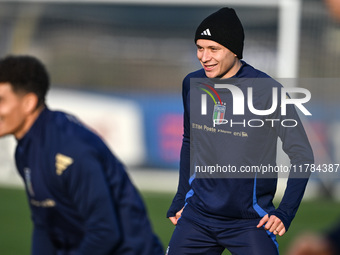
(217, 60)
(17, 111)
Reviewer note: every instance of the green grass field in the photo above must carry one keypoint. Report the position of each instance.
(16, 226)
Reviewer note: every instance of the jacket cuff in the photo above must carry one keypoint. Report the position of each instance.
(175, 207)
(285, 219)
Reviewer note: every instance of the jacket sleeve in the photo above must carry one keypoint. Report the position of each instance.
(296, 145)
(184, 169)
(89, 191)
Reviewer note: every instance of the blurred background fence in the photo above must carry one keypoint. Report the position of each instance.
(119, 67)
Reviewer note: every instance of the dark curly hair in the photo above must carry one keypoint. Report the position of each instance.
(26, 74)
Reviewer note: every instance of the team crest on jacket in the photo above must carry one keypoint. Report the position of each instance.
(219, 112)
(219, 106)
(62, 162)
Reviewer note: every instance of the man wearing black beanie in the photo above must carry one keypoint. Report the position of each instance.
(214, 213)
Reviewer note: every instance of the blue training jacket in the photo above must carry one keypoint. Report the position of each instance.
(222, 200)
(81, 199)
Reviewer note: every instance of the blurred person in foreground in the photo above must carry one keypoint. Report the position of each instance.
(237, 214)
(81, 199)
(327, 243)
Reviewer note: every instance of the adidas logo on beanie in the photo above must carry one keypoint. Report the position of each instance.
(225, 28)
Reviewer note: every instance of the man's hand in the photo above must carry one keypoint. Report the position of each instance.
(174, 219)
(273, 224)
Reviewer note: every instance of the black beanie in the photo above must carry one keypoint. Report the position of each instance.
(225, 28)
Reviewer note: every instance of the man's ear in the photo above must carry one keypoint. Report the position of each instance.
(30, 102)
